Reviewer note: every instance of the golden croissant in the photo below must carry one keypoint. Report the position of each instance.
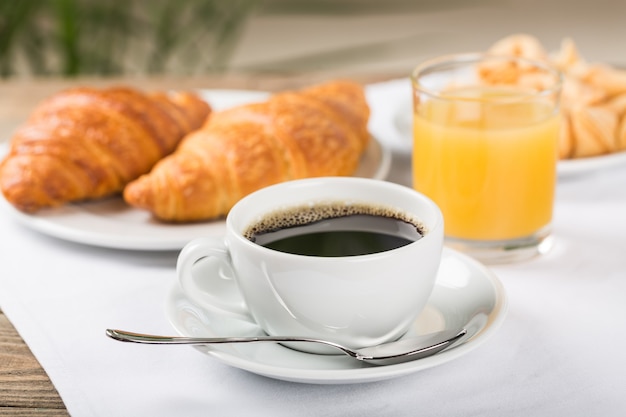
(87, 143)
(318, 131)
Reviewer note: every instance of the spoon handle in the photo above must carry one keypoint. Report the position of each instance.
(125, 336)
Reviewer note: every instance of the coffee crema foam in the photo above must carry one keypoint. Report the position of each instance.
(309, 214)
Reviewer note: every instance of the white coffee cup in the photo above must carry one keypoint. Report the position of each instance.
(357, 301)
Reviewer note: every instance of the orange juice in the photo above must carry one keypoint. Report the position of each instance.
(488, 159)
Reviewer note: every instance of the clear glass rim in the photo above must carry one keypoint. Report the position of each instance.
(467, 58)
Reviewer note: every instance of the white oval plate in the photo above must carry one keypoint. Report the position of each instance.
(466, 294)
(112, 223)
(580, 166)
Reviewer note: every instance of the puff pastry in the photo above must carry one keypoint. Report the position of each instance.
(317, 131)
(87, 143)
(593, 99)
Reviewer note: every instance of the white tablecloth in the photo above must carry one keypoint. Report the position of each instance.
(559, 352)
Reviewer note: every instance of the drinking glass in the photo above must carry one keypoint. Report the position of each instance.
(485, 135)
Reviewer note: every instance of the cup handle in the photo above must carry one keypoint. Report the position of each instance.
(217, 289)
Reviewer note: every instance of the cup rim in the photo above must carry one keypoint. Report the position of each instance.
(436, 227)
(466, 58)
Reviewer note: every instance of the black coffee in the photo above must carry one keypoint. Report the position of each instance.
(332, 230)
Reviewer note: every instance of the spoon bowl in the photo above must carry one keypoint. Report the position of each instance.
(402, 350)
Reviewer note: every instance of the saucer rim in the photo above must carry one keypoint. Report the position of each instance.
(361, 374)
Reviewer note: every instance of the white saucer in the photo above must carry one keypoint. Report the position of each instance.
(466, 294)
(112, 223)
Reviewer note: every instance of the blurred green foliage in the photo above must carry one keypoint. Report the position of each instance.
(108, 37)
(114, 37)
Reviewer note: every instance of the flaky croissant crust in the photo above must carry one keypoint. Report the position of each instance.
(86, 143)
(593, 97)
(321, 130)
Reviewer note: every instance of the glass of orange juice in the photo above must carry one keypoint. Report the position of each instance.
(485, 133)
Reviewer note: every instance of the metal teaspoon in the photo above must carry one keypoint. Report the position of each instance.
(402, 350)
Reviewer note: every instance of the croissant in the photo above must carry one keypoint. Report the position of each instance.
(317, 131)
(593, 99)
(87, 143)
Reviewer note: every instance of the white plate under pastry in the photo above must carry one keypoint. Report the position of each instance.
(111, 223)
(466, 294)
(579, 166)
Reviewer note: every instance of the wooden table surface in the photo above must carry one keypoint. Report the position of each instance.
(25, 389)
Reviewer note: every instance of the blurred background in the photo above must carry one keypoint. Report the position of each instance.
(73, 38)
